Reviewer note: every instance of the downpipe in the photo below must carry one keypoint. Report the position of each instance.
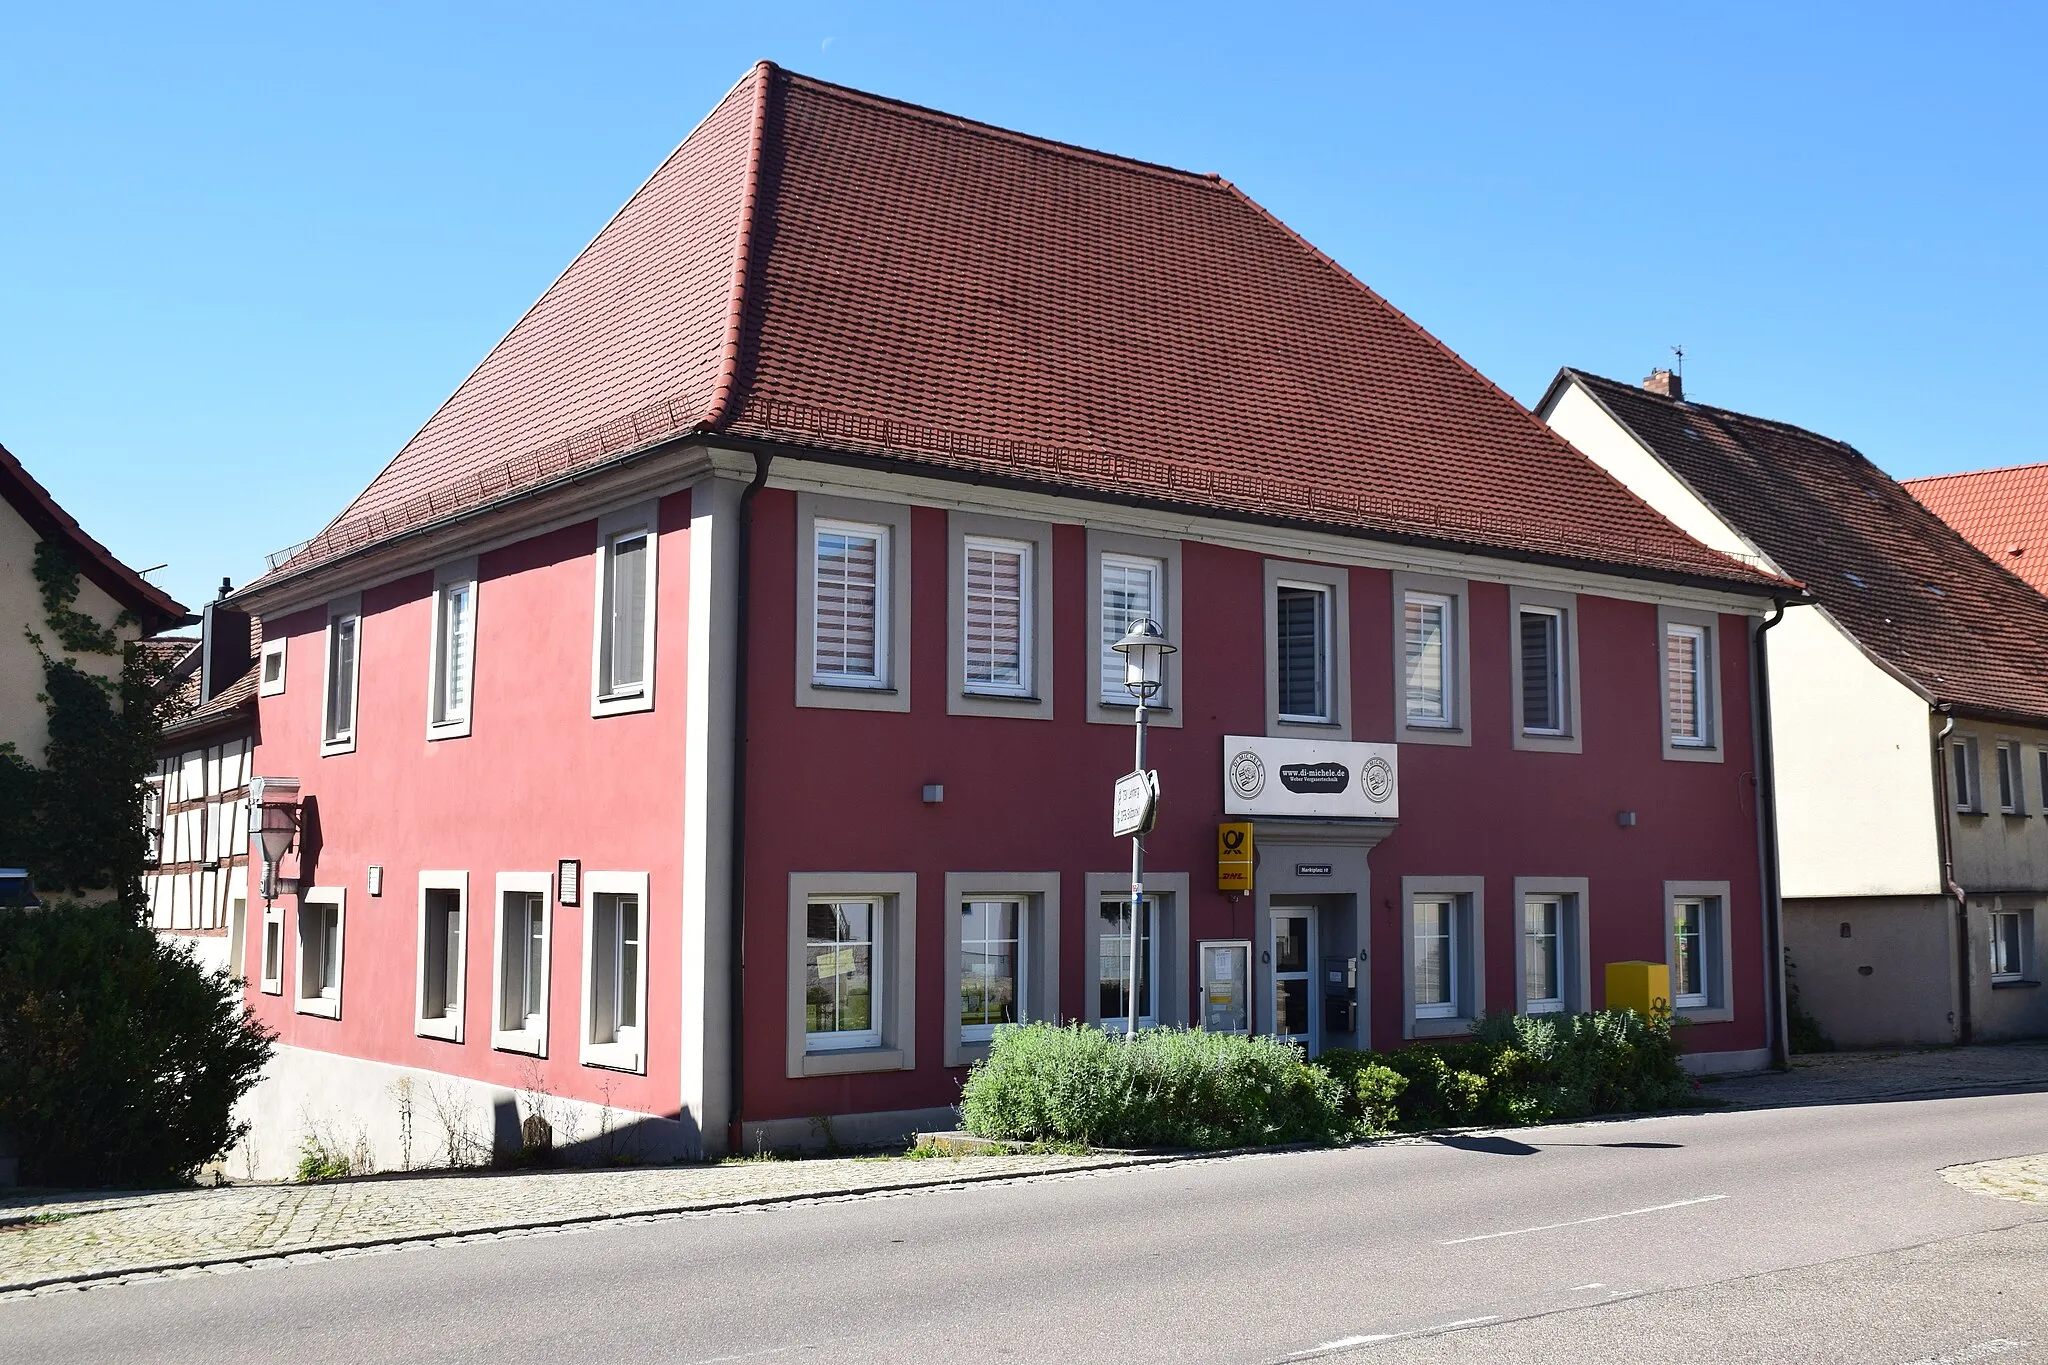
(736, 954)
(1767, 835)
(1965, 1026)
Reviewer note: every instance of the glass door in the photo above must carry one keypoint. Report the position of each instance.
(1293, 985)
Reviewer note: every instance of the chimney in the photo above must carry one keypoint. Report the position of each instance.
(1666, 384)
(224, 649)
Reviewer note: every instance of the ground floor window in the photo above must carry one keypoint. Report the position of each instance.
(442, 934)
(519, 1015)
(1437, 957)
(615, 970)
(992, 948)
(320, 945)
(271, 980)
(1696, 919)
(1444, 972)
(842, 973)
(2012, 944)
(1114, 962)
(1551, 957)
(852, 973)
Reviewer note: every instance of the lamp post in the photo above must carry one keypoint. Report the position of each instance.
(274, 820)
(1144, 648)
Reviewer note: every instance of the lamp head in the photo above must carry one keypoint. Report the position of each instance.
(1144, 648)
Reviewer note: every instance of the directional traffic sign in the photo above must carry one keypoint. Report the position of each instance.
(1137, 804)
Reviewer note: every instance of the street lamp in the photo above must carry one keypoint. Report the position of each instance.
(274, 820)
(1144, 648)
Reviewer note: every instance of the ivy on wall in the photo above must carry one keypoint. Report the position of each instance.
(77, 821)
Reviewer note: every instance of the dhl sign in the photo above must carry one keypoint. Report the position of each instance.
(1234, 856)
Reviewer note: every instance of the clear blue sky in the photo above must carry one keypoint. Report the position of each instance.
(245, 252)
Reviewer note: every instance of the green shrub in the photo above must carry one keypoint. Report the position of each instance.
(1371, 1089)
(120, 1059)
(1162, 1088)
(318, 1161)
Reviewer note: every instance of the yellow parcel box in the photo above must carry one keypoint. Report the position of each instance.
(1638, 986)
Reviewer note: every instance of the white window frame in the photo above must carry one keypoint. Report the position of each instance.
(2024, 969)
(1032, 699)
(1966, 760)
(1711, 748)
(1334, 581)
(1445, 717)
(273, 652)
(894, 964)
(324, 1005)
(442, 723)
(889, 690)
(344, 742)
(1114, 707)
(532, 1039)
(1566, 737)
(1716, 1003)
(1171, 963)
(2041, 762)
(1457, 729)
(447, 1027)
(621, 1053)
(1038, 931)
(627, 523)
(884, 539)
(2008, 756)
(270, 967)
(1574, 953)
(1467, 896)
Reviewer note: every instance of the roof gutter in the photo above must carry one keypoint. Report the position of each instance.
(1945, 839)
(1767, 841)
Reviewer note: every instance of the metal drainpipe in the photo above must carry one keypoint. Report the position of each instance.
(736, 955)
(1965, 1026)
(1767, 820)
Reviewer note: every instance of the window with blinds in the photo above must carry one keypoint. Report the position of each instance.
(1131, 593)
(1686, 701)
(1541, 630)
(1302, 651)
(455, 617)
(998, 624)
(850, 587)
(625, 615)
(1426, 668)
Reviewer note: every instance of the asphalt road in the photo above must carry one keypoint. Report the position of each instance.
(1817, 1234)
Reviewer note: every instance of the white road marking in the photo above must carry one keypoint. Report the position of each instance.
(1577, 1222)
(1347, 1343)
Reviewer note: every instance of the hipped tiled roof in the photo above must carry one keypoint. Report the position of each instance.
(823, 269)
(2003, 512)
(1904, 583)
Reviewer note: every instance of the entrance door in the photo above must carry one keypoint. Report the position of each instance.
(1293, 983)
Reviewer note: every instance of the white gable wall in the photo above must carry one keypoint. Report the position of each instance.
(1855, 778)
(24, 721)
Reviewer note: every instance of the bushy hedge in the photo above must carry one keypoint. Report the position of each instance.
(1165, 1088)
(1186, 1088)
(120, 1059)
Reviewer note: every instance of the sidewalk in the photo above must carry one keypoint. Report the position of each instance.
(58, 1240)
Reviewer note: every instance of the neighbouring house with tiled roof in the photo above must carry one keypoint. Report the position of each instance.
(2003, 512)
(1908, 713)
(707, 722)
(197, 806)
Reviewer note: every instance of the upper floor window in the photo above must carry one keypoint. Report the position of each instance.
(454, 651)
(1685, 685)
(2012, 789)
(1541, 635)
(2012, 945)
(1302, 651)
(850, 619)
(1131, 591)
(1428, 626)
(1968, 792)
(622, 662)
(270, 682)
(344, 674)
(998, 626)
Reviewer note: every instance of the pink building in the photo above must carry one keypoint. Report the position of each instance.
(755, 592)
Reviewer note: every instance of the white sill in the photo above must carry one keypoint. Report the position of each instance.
(271, 988)
(845, 1061)
(445, 1028)
(1026, 698)
(330, 747)
(528, 1041)
(853, 685)
(448, 729)
(615, 1057)
(1305, 720)
(1544, 1007)
(318, 1005)
(1704, 1014)
(1413, 724)
(621, 703)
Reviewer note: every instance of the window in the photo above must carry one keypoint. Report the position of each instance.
(1968, 792)
(453, 653)
(2041, 761)
(1543, 954)
(841, 974)
(344, 671)
(1130, 593)
(852, 968)
(991, 966)
(1113, 967)
(2012, 788)
(272, 978)
(998, 625)
(270, 681)
(2012, 945)
(615, 970)
(320, 929)
(1443, 973)
(624, 668)
(850, 619)
(1429, 642)
(519, 1020)
(1302, 651)
(1541, 634)
(443, 932)
(1685, 685)
(1697, 931)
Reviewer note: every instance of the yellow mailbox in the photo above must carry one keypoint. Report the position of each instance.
(1643, 987)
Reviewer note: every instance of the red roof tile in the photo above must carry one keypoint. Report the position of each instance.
(2003, 512)
(825, 269)
(1895, 576)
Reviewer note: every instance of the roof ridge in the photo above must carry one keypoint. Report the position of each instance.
(996, 131)
(1641, 392)
(1975, 473)
(112, 573)
(736, 305)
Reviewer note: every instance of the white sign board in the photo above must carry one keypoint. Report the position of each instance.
(1137, 804)
(1321, 778)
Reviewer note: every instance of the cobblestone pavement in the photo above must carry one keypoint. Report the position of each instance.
(53, 1239)
(2022, 1179)
(62, 1238)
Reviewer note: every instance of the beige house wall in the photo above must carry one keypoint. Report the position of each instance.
(23, 721)
(1889, 981)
